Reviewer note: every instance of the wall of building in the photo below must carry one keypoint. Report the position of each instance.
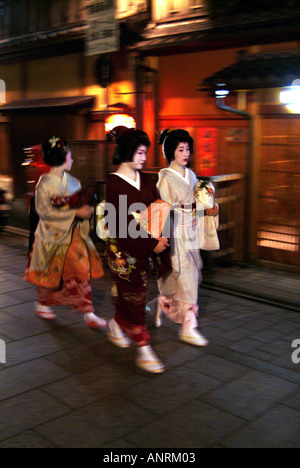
(180, 77)
(181, 103)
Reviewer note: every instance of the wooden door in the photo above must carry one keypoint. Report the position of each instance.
(278, 224)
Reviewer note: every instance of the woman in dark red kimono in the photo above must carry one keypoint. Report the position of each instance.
(129, 249)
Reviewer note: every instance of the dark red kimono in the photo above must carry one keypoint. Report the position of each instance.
(130, 259)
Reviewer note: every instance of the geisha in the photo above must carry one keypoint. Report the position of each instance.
(179, 288)
(63, 259)
(129, 258)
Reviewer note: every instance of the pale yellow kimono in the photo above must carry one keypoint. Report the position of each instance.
(179, 289)
(54, 233)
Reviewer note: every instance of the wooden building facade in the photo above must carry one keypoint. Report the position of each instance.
(172, 58)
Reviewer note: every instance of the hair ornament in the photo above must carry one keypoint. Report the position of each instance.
(53, 141)
(54, 151)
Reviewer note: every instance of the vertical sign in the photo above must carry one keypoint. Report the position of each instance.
(206, 163)
(103, 28)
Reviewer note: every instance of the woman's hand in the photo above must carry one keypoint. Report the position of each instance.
(162, 245)
(85, 212)
(212, 211)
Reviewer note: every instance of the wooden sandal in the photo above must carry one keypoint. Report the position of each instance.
(44, 314)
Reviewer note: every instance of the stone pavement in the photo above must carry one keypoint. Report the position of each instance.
(64, 385)
(265, 285)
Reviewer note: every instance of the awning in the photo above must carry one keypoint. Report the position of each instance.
(71, 102)
(257, 71)
(53, 42)
(278, 24)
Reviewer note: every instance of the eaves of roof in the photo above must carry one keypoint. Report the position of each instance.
(257, 72)
(205, 33)
(58, 40)
(70, 102)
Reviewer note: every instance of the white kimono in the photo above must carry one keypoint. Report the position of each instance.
(179, 289)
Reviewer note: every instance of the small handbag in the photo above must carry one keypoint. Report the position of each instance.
(154, 218)
(204, 196)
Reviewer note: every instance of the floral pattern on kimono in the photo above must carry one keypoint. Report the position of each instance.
(54, 235)
(129, 258)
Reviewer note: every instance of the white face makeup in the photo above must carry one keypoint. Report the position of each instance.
(182, 154)
(139, 158)
(69, 162)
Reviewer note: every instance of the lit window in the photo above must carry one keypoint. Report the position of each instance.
(278, 237)
(196, 4)
(175, 6)
(130, 7)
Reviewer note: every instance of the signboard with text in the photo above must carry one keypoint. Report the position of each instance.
(207, 140)
(103, 29)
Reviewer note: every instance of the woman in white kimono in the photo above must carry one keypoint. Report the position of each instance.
(63, 258)
(179, 289)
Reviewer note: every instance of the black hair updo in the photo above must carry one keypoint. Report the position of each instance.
(55, 151)
(127, 142)
(170, 139)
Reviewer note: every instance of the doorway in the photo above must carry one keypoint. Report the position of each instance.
(278, 217)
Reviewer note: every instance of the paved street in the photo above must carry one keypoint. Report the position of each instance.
(64, 385)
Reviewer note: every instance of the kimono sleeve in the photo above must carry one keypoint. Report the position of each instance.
(50, 213)
(165, 190)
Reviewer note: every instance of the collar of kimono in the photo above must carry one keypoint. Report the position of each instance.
(135, 183)
(186, 176)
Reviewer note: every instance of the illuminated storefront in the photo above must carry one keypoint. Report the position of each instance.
(246, 141)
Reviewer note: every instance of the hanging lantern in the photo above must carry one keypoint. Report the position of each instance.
(291, 97)
(114, 120)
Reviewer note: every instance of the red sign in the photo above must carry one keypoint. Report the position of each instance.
(206, 151)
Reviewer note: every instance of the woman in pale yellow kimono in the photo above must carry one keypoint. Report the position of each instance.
(63, 258)
(179, 289)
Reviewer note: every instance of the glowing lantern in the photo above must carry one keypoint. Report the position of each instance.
(291, 97)
(115, 120)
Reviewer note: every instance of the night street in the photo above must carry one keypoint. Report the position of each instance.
(64, 385)
(167, 127)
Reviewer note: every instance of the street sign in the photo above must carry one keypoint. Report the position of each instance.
(103, 28)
